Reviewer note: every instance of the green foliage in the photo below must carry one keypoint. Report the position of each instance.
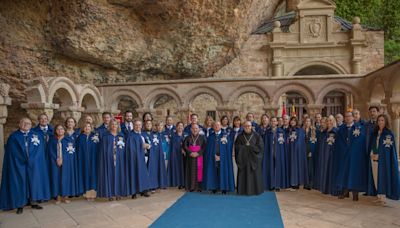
(379, 14)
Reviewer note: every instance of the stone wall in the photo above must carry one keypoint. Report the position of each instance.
(374, 51)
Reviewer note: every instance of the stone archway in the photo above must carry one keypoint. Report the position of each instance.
(249, 102)
(204, 105)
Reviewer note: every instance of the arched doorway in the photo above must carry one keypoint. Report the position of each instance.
(126, 103)
(316, 70)
(334, 102)
(164, 105)
(294, 99)
(204, 105)
(64, 99)
(250, 102)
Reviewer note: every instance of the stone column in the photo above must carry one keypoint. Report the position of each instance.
(357, 42)
(183, 114)
(71, 111)
(271, 110)
(276, 45)
(395, 114)
(313, 109)
(225, 110)
(35, 109)
(5, 100)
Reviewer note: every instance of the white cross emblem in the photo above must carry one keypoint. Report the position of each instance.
(281, 140)
(388, 141)
(167, 138)
(356, 132)
(35, 140)
(95, 138)
(155, 140)
(313, 139)
(70, 148)
(331, 139)
(120, 142)
(293, 136)
(224, 140)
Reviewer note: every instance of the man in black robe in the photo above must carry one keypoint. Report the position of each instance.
(249, 156)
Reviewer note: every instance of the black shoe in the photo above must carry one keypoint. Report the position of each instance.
(145, 194)
(307, 188)
(37, 207)
(214, 191)
(180, 187)
(224, 192)
(277, 190)
(134, 196)
(20, 210)
(355, 196)
(199, 190)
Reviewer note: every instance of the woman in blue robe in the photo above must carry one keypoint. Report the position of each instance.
(311, 147)
(384, 162)
(219, 170)
(138, 175)
(175, 169)
(274, 163)
(87, 147)
(156, 164)
(208, 126)
(226, 129)
(112, 177)
(64, 176)
(298, 156)
(25, 176)
(326, 161)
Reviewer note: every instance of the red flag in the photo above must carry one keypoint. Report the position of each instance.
(283, 109)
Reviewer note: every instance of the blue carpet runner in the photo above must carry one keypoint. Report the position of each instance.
(206, 210)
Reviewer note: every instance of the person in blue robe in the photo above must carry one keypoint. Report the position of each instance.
(264, 125)
(87, 146)
(286, 132)
(25, 176)
(169, 130)
(326, 167)
(236, 131)
(226, 128)
(103, 128)
(298, 157)
(384, 162)
(64, 173)
(138, 175)
(218, 169)
(311, 142)
(44, 128)
(274, 164)
(169, 125)
(175, 169)
(127, 125)
(352, 173)
(194, 119)
(156, 162)
(112, 172)
(208, 126)
(162, 177)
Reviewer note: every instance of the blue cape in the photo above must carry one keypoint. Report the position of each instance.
(224, 180)
(137, 173)
(298, 157)
(87, 147)
(156, 163)
(112, 176)
(24, 177)
(175, 164)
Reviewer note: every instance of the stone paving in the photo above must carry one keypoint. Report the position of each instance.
(299, 209)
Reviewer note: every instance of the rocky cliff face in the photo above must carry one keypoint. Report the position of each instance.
(106, 41)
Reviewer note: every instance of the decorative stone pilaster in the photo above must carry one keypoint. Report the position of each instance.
(395, 116)
(5, 100)
(313, 109)
(35, 109)
(271, 110)
(71, 111)
(225, 111)
(357, 42)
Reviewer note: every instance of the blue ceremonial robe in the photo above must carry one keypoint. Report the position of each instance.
(102, 130)
(388, 168)
(226, 131)
(64, 180)
(87, 147)
(24, 176)
(112, 176)
(156, 163)
(175, 169)
(326, 164)
(45, 134)
(138, 175)
(262, 131)
(274, 161)
(298, 157)
(219, 175)
(166, 142)
(125, 130)
(352, 170)
(311, 142)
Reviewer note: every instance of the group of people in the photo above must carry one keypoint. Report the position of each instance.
(137, 156)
